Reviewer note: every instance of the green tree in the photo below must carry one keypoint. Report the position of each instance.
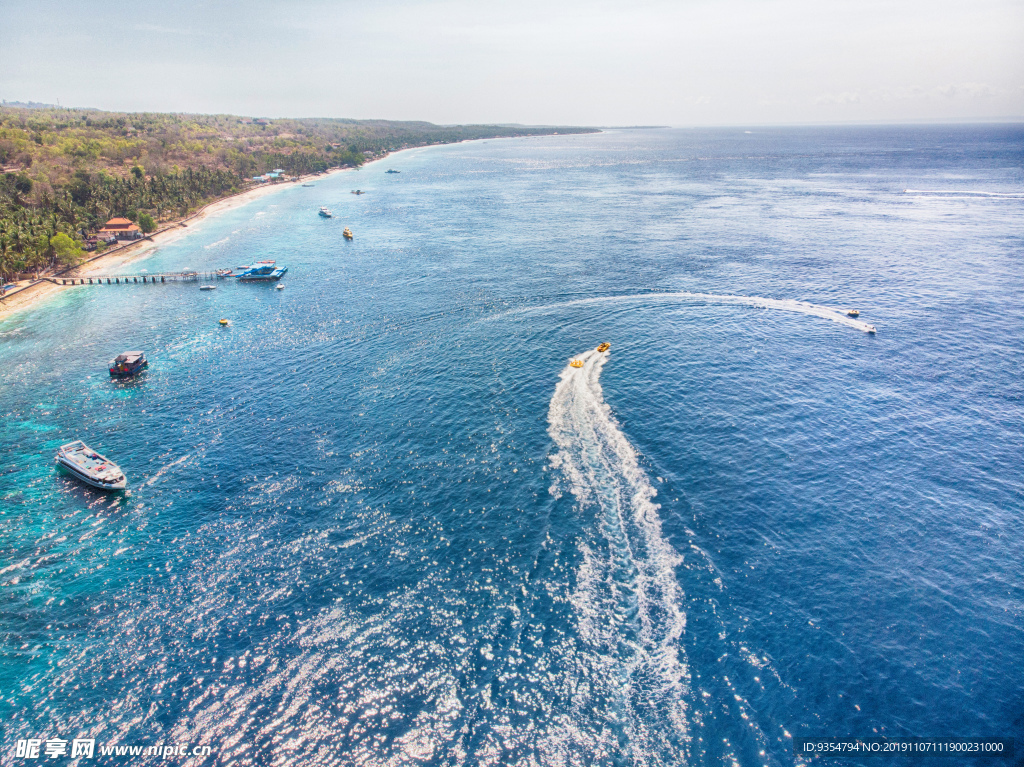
(146, 223)
(65, 250)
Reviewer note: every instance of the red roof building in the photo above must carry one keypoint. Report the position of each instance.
(121, 228)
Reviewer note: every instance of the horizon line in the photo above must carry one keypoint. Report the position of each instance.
(986, 120)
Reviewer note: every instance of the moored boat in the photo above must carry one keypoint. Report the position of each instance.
(89, 466)
(127, 364)
(262, 271)
(207, 287)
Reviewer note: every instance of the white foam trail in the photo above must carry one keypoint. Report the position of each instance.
(782, 304)
(215, 244)
(963, 193)
(602, 470)
(163, 469)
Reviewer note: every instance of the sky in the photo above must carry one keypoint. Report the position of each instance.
(578, 62)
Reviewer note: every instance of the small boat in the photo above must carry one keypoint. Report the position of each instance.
(392, 170)
(358, 191)
(309, 184)
(853, 313)
(280, 287)
(347, 234)
(262, 271)
(223, 272)
(127, 364)
(604, 347)
(576, 364)
(207, 287)
(90, 467)
(223, 322)
(324, 212)
(871, 329)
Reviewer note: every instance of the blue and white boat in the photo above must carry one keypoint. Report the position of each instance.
(261, 271)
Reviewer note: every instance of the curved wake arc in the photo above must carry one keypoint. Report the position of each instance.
(781, 304)
(633, 583)
(630, 603)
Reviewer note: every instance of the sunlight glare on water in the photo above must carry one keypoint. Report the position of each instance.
(379, 519)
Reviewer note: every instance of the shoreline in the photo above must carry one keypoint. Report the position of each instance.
(29, 295)
(36, 291)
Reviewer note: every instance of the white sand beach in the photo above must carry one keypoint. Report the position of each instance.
(31, 292)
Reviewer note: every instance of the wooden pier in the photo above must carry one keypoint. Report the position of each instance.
(139, 279)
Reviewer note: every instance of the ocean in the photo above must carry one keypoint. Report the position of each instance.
(379, 519)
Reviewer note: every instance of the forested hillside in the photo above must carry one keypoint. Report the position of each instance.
(67, 171)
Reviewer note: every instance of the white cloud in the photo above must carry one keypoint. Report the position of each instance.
(839, 98)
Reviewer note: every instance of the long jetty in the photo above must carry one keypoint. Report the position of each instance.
(135, 279)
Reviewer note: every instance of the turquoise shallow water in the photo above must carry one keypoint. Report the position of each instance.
(379, 520)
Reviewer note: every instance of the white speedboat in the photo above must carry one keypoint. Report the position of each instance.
(207, 287)
(91, 467)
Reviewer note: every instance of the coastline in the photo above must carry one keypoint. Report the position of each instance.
(36, 291)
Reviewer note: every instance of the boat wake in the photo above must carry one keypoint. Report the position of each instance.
(628, 598)
(662, 688)
(781, 304)
(164, 469)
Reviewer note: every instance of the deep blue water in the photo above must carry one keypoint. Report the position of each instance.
(379, 520)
